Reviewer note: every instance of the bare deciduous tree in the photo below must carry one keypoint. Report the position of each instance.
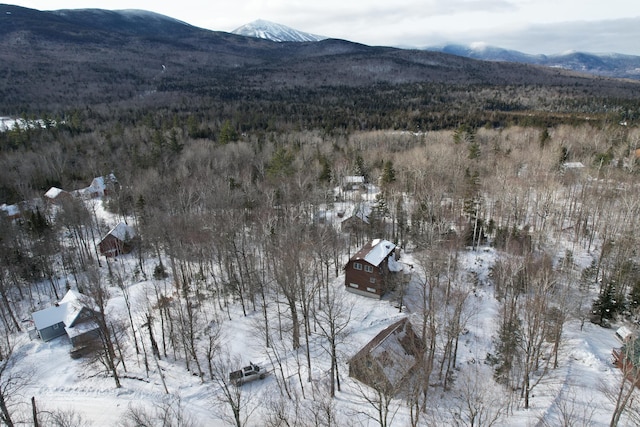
(233, 400)
(333, 320)
(12, 381)
(479, 401)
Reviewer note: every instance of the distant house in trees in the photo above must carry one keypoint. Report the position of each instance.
(358, 220)
(11, 211)
(70, 316)
(100, 186)
(627, 358)
(353, 183)
(117, 241)
(624, 334)
(56, 195)
(387, 361)
(367, 272)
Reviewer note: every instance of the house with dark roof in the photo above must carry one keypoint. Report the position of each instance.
(387, 362)
(70, 316)
(357, 221)
(367, 272)
(119, 240)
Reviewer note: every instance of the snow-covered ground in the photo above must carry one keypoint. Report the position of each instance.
(60, 382)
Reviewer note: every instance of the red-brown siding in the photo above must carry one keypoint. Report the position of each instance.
(362, 279)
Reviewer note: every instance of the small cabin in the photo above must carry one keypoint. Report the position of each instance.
(119, 240)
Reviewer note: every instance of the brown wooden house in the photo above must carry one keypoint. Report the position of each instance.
(627, 359)
(367, 272)
(118, 241)
(386, 363)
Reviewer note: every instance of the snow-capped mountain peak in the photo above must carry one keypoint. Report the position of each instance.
(275, 32)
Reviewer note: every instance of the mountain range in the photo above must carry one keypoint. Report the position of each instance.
(604, 64)
(607, 64)
(57, 59)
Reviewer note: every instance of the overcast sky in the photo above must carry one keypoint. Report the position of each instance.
(531, 26)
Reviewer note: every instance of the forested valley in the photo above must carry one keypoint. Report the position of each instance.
(513, 205)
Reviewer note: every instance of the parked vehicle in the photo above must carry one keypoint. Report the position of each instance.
(248, 373)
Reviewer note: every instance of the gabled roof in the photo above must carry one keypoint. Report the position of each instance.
(374, 252)
(122, 231)
(361, 211)
(66, 311)
(54, 192)
(100, 183)
(394, 350)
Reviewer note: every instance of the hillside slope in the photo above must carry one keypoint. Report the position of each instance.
(53, 60)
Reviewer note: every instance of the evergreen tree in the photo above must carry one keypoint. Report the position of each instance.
(506, 349)
(325, 173)
(227, 133)
(388, 173)
(607, 305)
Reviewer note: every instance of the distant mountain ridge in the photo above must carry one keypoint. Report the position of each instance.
(74, 58)
(267, 30)
(601, 64)
(607, 65)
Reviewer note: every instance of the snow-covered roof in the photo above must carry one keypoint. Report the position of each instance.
(54, 192)
(100, 183)
(394, 350)
(374, 252)
(573, 165)
(394, 359)
(80, 329)
(361, 211)
(66, 311)
(624, 333)
(355, 179)
(122, 231)
(10, 210)
(378, 251)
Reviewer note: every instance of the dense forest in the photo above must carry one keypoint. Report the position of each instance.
(229, 175)
(230, 216)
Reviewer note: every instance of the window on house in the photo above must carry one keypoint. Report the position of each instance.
(371, 290)
(353, 285)
(368, 269)
(372, 280)
(357, 266)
